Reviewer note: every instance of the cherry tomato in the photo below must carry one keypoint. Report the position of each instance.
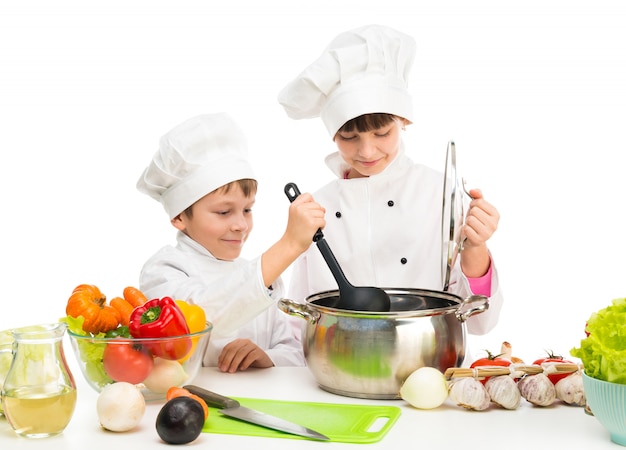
(551, 358)
(490, 360)
(126, 361)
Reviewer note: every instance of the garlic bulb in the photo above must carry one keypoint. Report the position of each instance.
(503, 391)
(537, 389)
(570, 390)
(469, 393)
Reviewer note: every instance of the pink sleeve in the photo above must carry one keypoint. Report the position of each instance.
(482, 285)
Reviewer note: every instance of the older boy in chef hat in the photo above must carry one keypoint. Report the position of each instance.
(203, 179)
(385, 213)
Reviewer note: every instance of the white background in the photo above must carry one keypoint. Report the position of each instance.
(532, 92)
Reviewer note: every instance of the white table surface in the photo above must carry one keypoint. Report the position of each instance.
(559, 426)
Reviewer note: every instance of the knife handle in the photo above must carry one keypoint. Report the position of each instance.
(212, 398)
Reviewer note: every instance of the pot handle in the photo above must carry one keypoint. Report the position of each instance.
(463, 313)
(299, 310)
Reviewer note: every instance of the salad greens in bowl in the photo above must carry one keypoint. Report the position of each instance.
(603, 350)
(603, 354)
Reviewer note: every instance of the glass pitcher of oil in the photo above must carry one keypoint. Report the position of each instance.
(6, 356)
(39, 392)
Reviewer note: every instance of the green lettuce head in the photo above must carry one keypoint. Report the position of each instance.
(603, 351)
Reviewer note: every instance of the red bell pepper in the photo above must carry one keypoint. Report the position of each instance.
(161, 318)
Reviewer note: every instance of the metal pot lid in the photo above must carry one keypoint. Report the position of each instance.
(452, 216)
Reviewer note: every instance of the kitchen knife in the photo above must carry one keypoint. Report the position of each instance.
(231, 407)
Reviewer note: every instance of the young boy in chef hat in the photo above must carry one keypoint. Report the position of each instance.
(203, 179)
(385, 212)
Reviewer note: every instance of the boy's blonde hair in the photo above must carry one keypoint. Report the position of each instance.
(247, 185)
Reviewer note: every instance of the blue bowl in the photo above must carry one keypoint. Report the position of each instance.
(607, 402)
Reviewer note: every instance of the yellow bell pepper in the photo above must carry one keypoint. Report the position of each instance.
(194, 314)
(196, 321)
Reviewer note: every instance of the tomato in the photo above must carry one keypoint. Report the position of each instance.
(125, 361)
(551, 358)
(490, 360)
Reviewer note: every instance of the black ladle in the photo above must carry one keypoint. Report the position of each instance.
(353, 298)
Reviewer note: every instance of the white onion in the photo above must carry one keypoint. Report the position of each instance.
(120, 406)
(165, 374)
(426, 388)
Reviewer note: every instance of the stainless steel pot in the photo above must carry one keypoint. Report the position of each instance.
(370, 354)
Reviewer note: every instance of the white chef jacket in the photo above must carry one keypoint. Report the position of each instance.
(232, 294)
(385, 231)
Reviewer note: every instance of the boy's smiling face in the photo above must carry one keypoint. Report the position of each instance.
(220, 221)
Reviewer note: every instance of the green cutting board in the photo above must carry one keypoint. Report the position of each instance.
(340, 422)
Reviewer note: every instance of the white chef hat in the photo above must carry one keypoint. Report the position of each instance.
(195, 158)
(361, 71)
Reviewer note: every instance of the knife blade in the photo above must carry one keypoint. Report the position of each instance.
(232, 408)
